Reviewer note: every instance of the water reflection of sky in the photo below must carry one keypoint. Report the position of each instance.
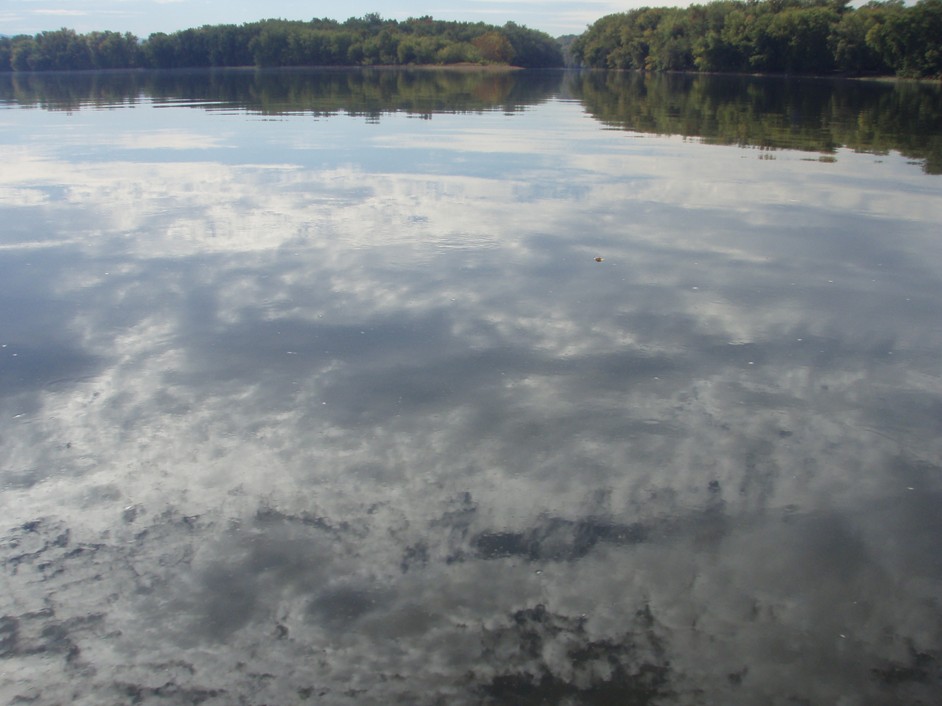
(346, 412)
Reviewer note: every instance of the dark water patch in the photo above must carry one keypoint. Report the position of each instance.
(557, 539)
(167, 693)
(632, 669)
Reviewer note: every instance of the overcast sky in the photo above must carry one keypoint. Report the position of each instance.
(145, 16)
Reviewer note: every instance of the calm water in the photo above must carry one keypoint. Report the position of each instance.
(313, 389)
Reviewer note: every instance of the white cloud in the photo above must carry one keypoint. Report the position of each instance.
(60, 12)
(21, 197)
(168, 140)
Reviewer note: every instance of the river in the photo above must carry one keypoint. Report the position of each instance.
(428, 387)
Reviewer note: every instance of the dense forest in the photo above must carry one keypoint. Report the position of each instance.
(735, 36)
(364, 41)
(771, 36)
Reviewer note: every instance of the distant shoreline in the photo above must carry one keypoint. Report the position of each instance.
(466, 68)
(477, 68)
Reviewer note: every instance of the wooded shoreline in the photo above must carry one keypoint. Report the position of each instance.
(794, 37)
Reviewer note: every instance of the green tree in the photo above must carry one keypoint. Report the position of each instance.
(494, 46)
(419, 49)
(717, 46)
(270, 47)
(22, 48)
(59, 50)
(457, 53)
(848, 40)
(381, 48)
(909, 39)
(160, 51)
(6, 53)
(228, 45)
(112, 50)
(798, 40)
(532, 48)
(594, 46)
(672, 47)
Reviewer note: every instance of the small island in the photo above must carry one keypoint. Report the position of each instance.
(359, 41)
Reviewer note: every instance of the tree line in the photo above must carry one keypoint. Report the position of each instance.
(736, 36)
(771, 36)
(360, 41)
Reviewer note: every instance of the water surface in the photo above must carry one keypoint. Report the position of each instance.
(466, 388)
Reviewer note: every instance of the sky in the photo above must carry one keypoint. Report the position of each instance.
(142, 17)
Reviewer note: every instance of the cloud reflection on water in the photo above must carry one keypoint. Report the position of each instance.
(358, 435)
